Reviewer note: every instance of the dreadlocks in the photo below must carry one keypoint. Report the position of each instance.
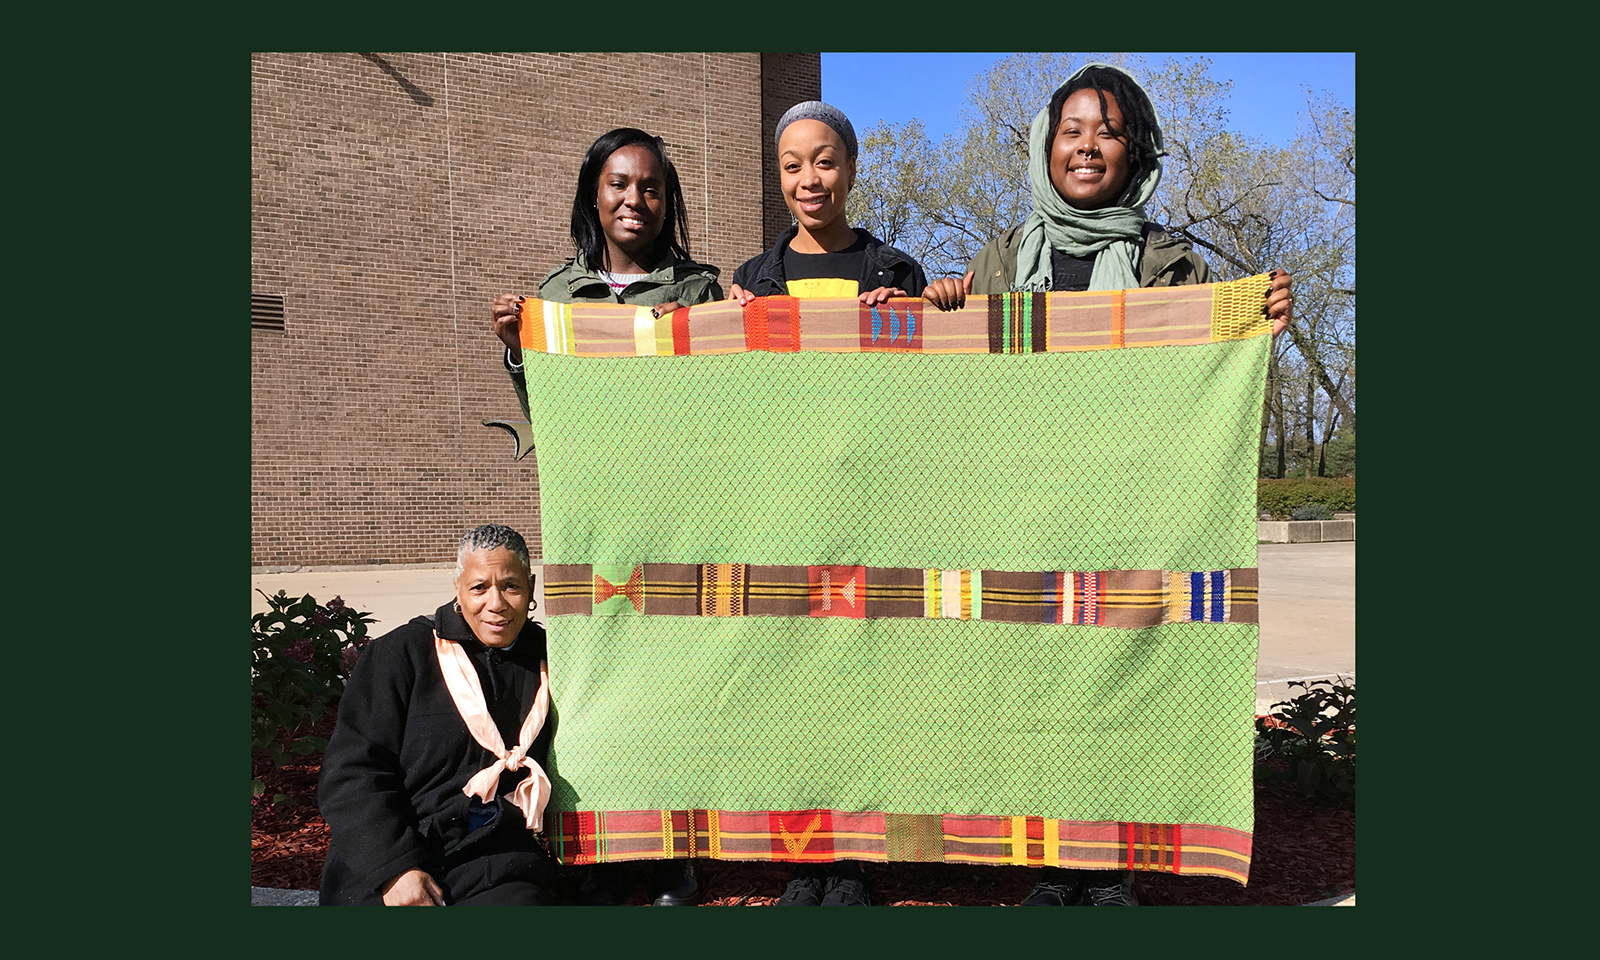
(1143, 134)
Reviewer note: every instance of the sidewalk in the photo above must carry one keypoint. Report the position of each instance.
(1308, 614)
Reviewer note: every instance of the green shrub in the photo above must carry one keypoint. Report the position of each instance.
(1315, 732)
(1279, 498)
(1311, 511)
(302, 654)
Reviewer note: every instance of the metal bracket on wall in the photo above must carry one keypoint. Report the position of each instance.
(520, 430)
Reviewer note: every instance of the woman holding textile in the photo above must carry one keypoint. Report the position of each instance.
(821, 255)
(631, 234)
(433, 782)
(1094, 161)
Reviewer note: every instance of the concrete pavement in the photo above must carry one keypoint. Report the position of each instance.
(1308, 616)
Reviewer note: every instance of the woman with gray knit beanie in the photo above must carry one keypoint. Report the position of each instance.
(821, 255)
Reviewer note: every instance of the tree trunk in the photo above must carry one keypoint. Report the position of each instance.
(1283, 431)
(1266, 410)
(1327, 434)
(1311, 424)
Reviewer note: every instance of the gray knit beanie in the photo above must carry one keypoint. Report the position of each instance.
(817, 110)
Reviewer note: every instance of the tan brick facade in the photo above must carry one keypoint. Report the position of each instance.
(392, 196)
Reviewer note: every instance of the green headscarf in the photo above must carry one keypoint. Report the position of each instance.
(1111, 233)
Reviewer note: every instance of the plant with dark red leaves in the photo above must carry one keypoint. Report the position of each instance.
(302, 655)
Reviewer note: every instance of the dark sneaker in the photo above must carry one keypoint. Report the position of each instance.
(604, 885)
(846, 886)
(1109, 889)
(805, 890)
(677, 883)
(1056, 888)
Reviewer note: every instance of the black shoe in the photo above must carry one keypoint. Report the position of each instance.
(604, 885)
(1110, 889)
(1056, 888)
(846, 886)
(805, 890)
(676, 884)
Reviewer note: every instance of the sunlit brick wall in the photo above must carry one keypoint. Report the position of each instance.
(393, 195)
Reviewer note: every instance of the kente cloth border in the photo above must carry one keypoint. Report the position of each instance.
(1010, 323)
(823, 836)
(1126, 599)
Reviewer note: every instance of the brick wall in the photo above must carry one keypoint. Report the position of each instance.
(393, 195)
(786, 79)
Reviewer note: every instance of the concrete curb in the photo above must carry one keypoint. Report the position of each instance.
(1305, 531)
(273, 897)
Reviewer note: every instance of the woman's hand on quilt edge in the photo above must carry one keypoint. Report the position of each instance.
(949, 293)
(505, 320)
(880, 294)
(1280, 301)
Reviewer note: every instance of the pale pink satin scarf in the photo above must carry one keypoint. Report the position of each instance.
(532, 793)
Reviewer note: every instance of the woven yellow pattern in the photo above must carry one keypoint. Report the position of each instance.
(1236, 308)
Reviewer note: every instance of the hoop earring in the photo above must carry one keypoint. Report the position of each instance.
(458, 606)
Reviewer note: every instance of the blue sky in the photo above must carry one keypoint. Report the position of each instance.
(1267, 95)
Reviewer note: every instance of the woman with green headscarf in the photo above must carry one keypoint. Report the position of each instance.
(1094, 160)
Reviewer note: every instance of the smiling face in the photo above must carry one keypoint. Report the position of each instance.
(495, 591)
(1089, 166)
(631, 199)
(816, 172)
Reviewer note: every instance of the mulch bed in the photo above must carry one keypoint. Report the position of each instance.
(1304, 851)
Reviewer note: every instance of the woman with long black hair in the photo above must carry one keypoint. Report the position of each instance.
(630, 234)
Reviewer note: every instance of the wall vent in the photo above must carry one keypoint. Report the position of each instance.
(266, 311)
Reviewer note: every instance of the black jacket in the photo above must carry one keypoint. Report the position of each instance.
(885, 266)
(390, 788)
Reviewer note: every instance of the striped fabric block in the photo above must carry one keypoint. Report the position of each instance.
(832, 581)
(1012, 323)
(1125, 599)
(822, 836)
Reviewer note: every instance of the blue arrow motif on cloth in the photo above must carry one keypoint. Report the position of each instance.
(911, 325)
(877, 323)
(894, 325)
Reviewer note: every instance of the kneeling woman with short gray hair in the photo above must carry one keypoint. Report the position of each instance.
(433, 782)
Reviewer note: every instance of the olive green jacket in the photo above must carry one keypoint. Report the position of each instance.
(684, 281)
(1167, 262)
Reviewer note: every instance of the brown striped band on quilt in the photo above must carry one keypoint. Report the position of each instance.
(1010, 323)
(1126, 599)
(821, 836)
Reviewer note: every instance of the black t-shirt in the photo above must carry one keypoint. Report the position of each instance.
(843, 266)
(1068, 272)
